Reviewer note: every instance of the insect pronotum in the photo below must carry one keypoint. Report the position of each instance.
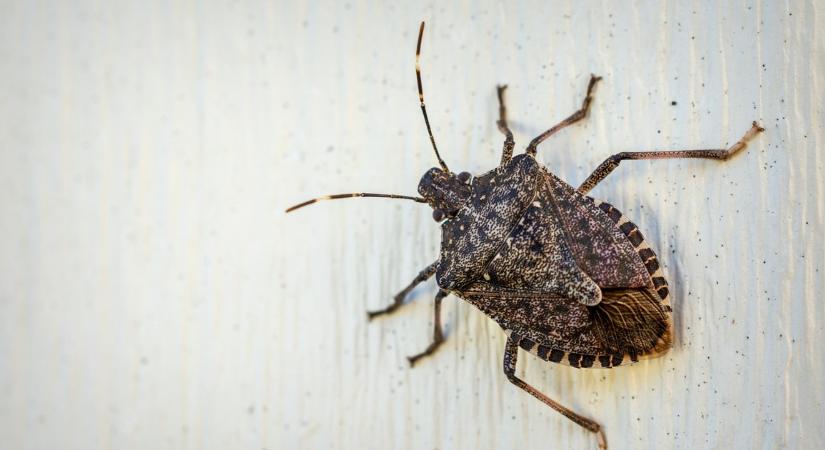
(569, 278)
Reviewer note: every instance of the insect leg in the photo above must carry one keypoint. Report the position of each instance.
(612, 162)
(438, 333)
(510, 359)
(509, 143)
(398, 300)
(573, 118)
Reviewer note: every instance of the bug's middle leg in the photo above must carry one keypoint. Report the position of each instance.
(573, 118)
(509, 143)
(510, 359)
(612, 162)
(398, 300)
(438, 333)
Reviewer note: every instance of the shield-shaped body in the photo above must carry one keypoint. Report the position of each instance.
(567, 274)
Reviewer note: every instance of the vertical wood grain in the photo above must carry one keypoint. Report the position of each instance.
(153, 294)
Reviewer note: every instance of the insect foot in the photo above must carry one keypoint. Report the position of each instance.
(438, 333)
(569, 278)
(398, 300)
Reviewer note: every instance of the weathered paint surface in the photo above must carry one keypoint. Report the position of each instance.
(154, 295)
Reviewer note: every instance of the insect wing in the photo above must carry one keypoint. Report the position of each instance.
(572, 285)
(536, 256)
(627, 325)
(601, 249)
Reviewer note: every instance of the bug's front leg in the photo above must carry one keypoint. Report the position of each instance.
(510, 359)
(438, 333)
(573, 118)
(398, 300)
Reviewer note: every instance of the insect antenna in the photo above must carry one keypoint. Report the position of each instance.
(421, 97)
(354, 194)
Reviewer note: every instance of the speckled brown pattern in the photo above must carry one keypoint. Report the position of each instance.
(646, 254)
(472, 237)
(601, 249)
(568, 277)
(551, 266)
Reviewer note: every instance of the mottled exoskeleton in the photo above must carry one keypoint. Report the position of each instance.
(569, 278)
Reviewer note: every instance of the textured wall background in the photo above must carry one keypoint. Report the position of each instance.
(153, 294)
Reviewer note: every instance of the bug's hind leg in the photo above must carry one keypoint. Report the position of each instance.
(398, 300)
(573, 118)
(510, 359)
(612, 162)
(509, 143)
(438, 333)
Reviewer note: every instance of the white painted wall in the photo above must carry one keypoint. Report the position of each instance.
(153, 294)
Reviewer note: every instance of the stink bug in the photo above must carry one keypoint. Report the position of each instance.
(569, 278)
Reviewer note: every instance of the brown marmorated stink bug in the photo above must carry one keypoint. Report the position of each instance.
(569, 278)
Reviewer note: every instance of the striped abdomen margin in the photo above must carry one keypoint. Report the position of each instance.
(650, 261)
(646, 254)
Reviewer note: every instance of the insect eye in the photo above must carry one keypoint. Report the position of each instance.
(438, 215)
(464, 177)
